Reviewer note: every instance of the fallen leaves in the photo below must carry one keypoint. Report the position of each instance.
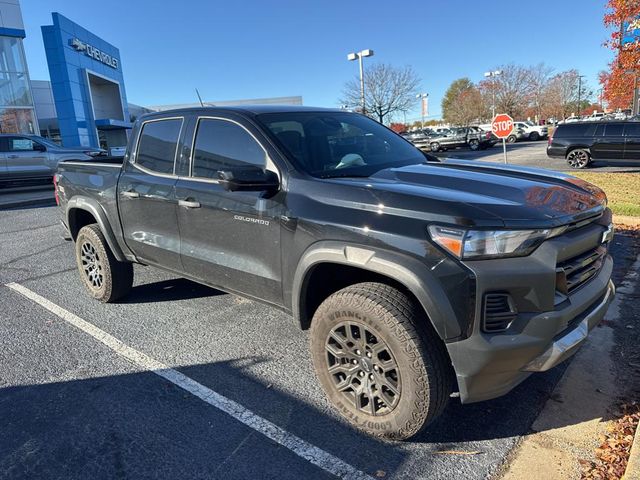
(613, 453)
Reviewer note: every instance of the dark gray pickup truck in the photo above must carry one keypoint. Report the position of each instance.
(419, 280)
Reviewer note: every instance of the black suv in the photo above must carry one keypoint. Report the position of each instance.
(580, 143)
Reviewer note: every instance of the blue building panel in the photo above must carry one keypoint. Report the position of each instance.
(73, 53)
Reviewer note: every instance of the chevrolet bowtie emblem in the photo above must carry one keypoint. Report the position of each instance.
(78, 44)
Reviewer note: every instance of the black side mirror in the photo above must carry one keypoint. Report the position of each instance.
(248, 180)
(39, 148)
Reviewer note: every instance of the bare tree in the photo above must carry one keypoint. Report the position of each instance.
(566, 94)
(463, 103)
(512, 89)
(388, 90)
(539, 78)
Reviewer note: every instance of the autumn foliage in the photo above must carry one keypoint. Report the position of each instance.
(617, 82)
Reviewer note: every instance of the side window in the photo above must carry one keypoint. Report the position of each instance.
(221, 144)
(21, 144)
(632, 129)
(157, 145)
(614, 130)
(591, 130)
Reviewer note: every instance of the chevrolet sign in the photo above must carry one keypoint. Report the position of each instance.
(93, 52)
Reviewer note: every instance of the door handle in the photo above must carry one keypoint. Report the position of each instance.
(130, 194)
(12, 156)
(188, 204)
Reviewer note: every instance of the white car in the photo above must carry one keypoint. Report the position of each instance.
(531, 131)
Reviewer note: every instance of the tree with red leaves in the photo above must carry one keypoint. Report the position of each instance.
(618, 81)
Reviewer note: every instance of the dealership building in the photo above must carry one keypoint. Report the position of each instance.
(85, 101)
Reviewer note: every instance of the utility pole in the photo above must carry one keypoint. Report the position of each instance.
(580, 95)
(424, 97)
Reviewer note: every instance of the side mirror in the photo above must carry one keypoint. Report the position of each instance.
(248, 180)
(38, 147)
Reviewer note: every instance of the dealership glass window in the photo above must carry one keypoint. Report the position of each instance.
(17, 120)
(157, 145)
(222, 144)
(15, 90)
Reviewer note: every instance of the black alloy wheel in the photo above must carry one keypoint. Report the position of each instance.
(578, 158)
(363, 368)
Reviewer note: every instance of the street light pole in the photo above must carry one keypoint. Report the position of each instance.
(358, 56)
(580, 94)
(493, 74)
(424, 97)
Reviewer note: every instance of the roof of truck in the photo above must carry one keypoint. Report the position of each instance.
(244, 109)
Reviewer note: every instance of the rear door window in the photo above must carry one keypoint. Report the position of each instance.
(632, 129)
(576, 130)
(158, 144)
(613, 129)
(21, 144)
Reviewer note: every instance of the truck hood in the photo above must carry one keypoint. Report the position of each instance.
(485, 193)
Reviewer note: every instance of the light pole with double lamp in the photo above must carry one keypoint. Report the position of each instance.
(358, 56)
(424, 99)
(493, 74)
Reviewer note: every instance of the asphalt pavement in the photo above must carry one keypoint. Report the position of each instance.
(74, 406)
(533, 154)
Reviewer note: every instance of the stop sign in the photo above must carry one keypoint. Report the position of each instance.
(502, 125)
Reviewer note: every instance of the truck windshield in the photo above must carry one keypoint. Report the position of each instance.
(338, 144)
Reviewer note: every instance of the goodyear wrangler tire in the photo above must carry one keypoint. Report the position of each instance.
(105, 278)
(379, 361)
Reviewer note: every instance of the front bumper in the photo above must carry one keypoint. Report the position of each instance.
(568, 344)
(549, 328)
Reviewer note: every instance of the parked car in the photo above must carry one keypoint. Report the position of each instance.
(582, 142)
(473, 137)
(531, 131)
(30, 157)
(419, 280)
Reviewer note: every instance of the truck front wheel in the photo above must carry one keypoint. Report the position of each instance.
(379, 361)
(105, 278)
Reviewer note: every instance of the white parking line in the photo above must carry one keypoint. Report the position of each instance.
(311, 453)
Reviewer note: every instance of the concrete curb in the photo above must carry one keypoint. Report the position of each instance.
(632, 471)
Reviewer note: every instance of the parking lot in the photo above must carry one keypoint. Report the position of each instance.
(183, 381)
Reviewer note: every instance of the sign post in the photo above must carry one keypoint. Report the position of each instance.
(502, 126)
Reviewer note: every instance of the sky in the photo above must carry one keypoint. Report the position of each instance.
(233, 50)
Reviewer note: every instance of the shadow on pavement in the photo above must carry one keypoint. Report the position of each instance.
(169, 290)
(139, 425)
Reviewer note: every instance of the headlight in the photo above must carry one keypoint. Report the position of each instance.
(478, 244)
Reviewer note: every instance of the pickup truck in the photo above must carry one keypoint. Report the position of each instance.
(473, 137)
(419, 280)
(531, 131)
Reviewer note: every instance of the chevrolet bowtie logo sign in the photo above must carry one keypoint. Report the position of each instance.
(78, 44)
(93, 52)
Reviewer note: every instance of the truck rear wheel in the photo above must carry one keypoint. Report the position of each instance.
(379, 361)
(105, 278)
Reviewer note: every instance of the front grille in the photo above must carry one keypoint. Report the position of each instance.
(498, 312)
(577, 271)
